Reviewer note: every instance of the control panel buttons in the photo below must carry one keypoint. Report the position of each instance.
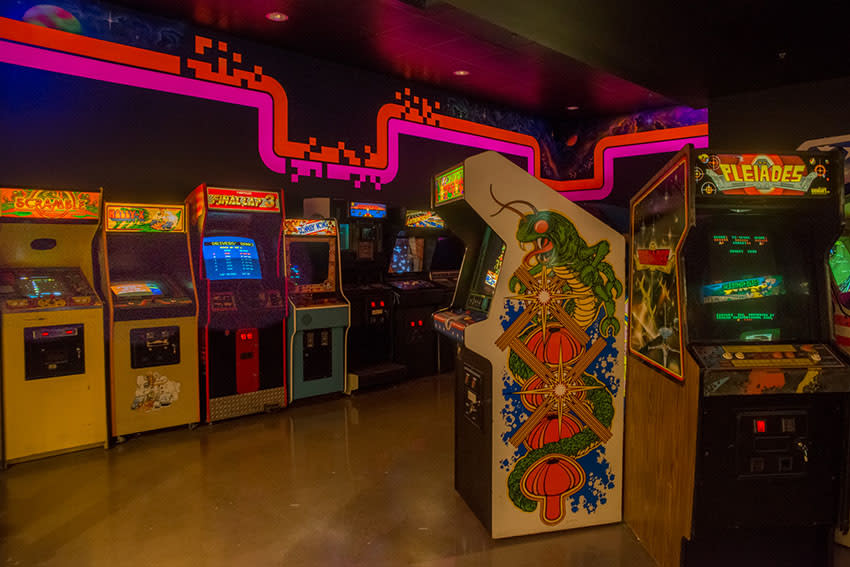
(815, 357)
(739, 355)
(726, 355)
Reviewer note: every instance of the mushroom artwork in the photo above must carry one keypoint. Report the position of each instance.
(549, 481)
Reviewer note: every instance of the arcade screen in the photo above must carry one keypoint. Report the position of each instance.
(839, 265)
(308, 262)
(231, 258)
(753, 289)
(408, 255)
(139, 288)
(448, 254)
(486, 272)
(41, 286)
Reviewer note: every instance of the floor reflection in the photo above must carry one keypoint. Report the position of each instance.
(361, 480)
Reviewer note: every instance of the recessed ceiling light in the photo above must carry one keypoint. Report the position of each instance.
(277, 16)
(461, 72)
(573, 107)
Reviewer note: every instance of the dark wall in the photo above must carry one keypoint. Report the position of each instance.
(146, 146)
(780, 119)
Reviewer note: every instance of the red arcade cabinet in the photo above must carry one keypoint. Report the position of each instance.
(235, 237)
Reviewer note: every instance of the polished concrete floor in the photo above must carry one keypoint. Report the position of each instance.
(365, 480)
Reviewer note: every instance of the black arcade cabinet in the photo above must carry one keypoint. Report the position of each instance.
(364, 262)
(424, 263)
(737, 429)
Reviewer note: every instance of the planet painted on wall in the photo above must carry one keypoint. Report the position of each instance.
(52, 17)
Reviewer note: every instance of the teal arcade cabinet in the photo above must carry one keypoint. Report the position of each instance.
(319, 314)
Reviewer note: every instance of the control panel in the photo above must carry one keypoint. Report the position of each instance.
(767, 356)
(316, 300)
(410, 285)
(260, 298)
(453, 322)
(45, 288)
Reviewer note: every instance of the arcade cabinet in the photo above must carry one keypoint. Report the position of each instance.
(319, 315)
(423, 240)
(152, 317)
(235, 237)
(363, 266)
(54, 397)
(538, 319)
(736, 431)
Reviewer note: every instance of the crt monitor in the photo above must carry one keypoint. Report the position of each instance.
(448, 254)
(753, 287)
(309, 263)
(139, 288)
(37, 286)
(486, 272)
(408, 255)
(231, 258)
(839, 264)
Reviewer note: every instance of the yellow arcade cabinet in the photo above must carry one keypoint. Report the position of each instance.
(54, 396)
(152, 317)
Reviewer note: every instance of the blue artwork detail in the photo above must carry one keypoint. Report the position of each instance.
(512, 413)
(599, 480)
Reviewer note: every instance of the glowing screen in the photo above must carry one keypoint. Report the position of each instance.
(231, 258)
(40, 286)
(408, 255)
(486, 272)
(839, 263)
(748, 288)
(137, 289)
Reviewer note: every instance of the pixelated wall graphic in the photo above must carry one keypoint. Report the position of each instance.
(67, 40)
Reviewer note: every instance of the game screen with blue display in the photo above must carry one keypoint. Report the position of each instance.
(487, 272)
(751, 289)
(231, 258)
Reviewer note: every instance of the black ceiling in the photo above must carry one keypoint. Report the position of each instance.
(605, 56)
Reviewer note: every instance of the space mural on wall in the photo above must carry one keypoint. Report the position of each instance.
(99, 41)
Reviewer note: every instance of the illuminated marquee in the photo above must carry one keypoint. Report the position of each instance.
(367, 210)
(423, 219)
(309, 227)
(49, 204)
(241, 200)
(762, 175)
(449, 186)
(144, 218)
